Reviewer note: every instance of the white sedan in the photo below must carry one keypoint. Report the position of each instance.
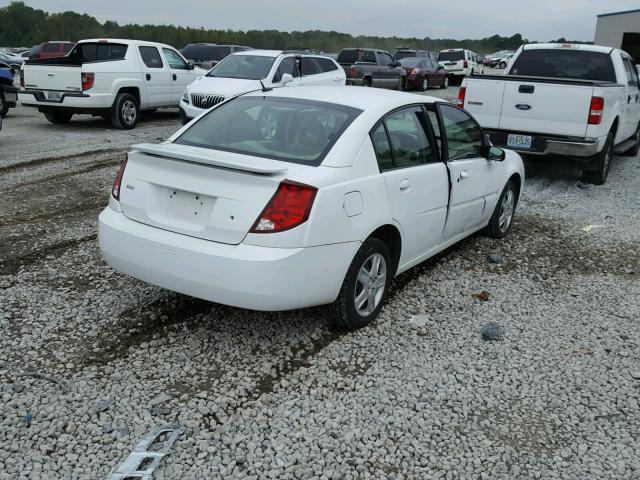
(292, 198)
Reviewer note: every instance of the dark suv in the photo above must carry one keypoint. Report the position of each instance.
(207, 55)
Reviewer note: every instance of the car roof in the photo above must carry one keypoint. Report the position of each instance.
(124, 41)
(568, 45)
(361, 98)
(454, 50)
(276, 53)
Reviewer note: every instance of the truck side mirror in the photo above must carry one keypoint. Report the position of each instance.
(190, 66)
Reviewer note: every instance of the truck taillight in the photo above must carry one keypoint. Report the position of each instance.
(288, 208)
(465, 64)
(87, 80)
(354, 71)
(115, 191)
(595, 110)
(461, 94)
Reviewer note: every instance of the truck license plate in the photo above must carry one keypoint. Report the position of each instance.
(54, 96)
(519, 141)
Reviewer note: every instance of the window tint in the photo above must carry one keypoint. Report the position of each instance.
(564, 63)
(66, 47)
(205, 52)
(250, 67)
(92, 52)
(286, 129)
(386, 59)
(287, 65)
(367, 56)
(174, 60)
(309, 66)
(326, 65)
(151, 57)
(451, 56)
(51, 47)
(464, 137)
(348, 55)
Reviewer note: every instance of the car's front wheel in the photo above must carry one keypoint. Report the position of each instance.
(4, 106)
(502, 217)
(365, 286)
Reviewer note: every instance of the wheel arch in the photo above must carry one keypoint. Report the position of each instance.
(517, 181)
(135, 91)
(390, 235)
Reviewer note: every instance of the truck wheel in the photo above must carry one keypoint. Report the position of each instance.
(633, 151)
(502, 217)
(4, 106)
(366, 82)
(597, 171)
(365, 286)
(58, 117)
(125, 112)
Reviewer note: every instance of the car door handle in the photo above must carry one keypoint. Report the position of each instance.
(463, 174)
(405, 184)
(148, 76)
(175, 77)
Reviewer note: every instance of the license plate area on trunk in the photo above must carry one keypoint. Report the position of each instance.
(53, 96)
(187, 206)
(519, 141)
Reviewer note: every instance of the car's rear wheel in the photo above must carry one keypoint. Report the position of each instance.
(445, 83)
(597, 171)
(502, 218)
(366, 82)
(58, 117)
(4, 106)
(424, 86)
(125, 112)
(365, 286)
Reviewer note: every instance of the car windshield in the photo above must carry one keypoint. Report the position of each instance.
(564, 63)
(250, 67)
(451, 56)
(286, 129)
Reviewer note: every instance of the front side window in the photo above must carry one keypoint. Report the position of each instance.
(174, 60)
(249, 67)
(285, 129)
(151, 57)
(287, 65)
(464, 136)
(407, 144)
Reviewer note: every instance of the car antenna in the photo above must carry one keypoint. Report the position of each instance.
(265, 89)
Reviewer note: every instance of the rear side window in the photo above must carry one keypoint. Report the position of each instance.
(348, 56)
(564, 63)
(286, 129)
(66, 47)
(51, 47)
(367, 56)
(451, 56)
(151, 57)
(326, 65)
(309, 66)
(96, 52)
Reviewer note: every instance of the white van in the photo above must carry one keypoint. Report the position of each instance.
(459, 63)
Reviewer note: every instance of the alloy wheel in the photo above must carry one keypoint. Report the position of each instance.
(506, 211)
(129, 112)
(370, 285)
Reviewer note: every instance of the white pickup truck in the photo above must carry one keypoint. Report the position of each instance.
(578, 101)
(115, 79)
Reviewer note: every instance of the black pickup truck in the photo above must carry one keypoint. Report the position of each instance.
(369, 67)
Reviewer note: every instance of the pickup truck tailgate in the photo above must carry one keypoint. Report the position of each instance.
(65, 78)
(545, 107)
(484, 101)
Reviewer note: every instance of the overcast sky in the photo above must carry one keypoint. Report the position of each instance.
(535, 19)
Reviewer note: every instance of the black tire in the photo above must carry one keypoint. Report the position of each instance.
(58, 118)
(366, 82)
(633, 151)
(445, 83)
(502, 65)
(183, 117)
(344, 311)
(424, 85)
(4, 106)
(402, 84)
(496, 228)
(125, 112)
(597, 171)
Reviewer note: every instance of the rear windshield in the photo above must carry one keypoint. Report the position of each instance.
(451, 56)
(286, 129)
(206, 52)
(411, 61)
(401, 55)
(249, 67)
(99, 51)
(564, 63)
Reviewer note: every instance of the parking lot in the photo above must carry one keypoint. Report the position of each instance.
(92, 360)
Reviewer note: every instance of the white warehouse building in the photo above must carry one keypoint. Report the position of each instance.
(620, 30)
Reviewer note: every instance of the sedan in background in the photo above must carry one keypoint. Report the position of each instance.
(423, 73)
(296, 197)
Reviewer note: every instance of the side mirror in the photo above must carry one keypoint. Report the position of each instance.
(286, 78)
(495, 153)
(190, 66)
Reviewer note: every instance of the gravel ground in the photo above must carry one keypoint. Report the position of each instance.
(92, 360)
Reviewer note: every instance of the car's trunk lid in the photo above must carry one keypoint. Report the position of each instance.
(199, 192)
(60, 74)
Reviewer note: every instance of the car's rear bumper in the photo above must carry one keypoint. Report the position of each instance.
(544, 144)
(69, 100)
(246, 276)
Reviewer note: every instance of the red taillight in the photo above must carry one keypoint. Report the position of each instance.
(288, 208)
(465, 64)
(115, 191)
(595, 110)
(461, 94)
(415, 71)
(87, 80)
(354, 71)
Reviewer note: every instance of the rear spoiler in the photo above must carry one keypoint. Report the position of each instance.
(215, 158)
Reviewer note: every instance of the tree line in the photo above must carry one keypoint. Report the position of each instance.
(23, 26)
